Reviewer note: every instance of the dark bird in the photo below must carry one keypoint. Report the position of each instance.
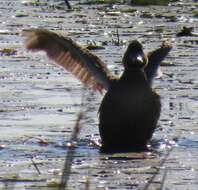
(186, 31)
(130, 109)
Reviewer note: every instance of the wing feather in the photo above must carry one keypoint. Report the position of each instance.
(154, 59)
(87, 67)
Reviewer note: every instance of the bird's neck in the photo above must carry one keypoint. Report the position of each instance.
(133, 75)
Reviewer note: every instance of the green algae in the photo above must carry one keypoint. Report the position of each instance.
(195, 13)
(7, 52)
(127, 10)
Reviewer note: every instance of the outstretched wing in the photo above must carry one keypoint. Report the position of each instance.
(154, 59)
(87, 67)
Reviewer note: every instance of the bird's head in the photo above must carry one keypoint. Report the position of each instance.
(134, 56)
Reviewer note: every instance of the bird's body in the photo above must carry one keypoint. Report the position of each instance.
(130, 109)
(128, 113)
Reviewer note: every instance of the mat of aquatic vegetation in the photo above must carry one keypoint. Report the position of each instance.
(39, 101)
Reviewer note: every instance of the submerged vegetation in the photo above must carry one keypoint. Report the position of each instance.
(102, 2)
(95, 2)
(133, 2)
(150, 2)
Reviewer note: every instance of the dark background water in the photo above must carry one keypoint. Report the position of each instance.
(39, 100)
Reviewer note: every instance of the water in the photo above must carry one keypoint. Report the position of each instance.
(40, 101)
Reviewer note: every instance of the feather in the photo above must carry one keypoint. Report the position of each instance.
(87, 67)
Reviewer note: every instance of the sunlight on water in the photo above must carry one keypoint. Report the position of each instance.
(39, 101)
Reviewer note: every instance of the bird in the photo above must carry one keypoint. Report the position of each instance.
(130, 108)
(186, 31)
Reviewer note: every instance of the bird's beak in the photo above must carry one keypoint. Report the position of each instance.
(134, 58)
(139, 58)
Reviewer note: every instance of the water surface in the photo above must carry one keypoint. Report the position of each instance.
(40, 101)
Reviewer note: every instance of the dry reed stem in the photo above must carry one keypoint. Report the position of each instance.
(70, 153)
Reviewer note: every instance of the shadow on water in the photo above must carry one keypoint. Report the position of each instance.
(39, 101)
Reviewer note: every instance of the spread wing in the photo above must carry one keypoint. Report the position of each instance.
(154, 59)
(87, 67)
